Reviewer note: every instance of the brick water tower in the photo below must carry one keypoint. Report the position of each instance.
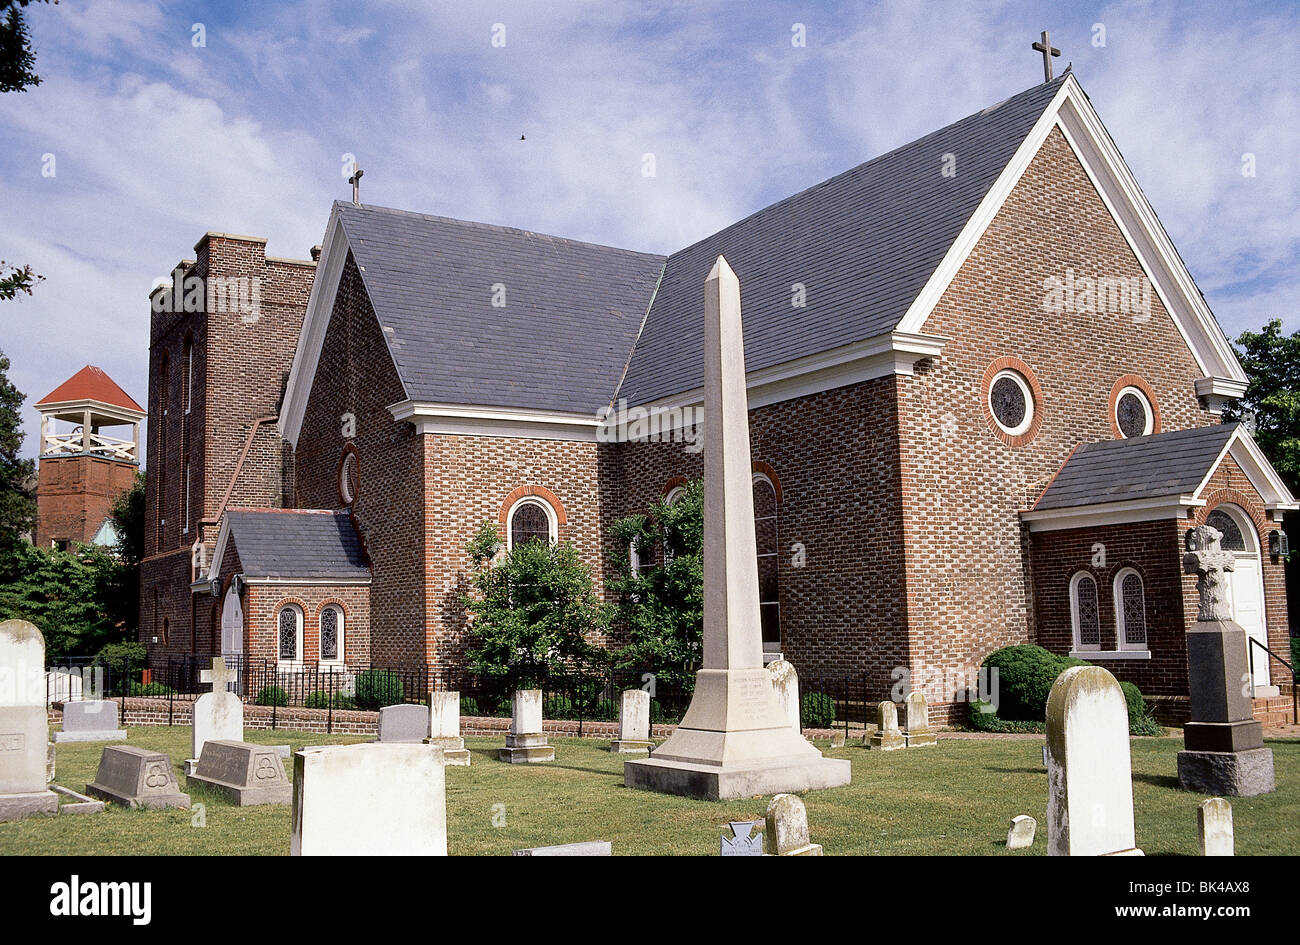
(82, 469)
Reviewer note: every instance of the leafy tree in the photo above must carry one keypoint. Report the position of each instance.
(18, 279)
(75, 597)
(533, 607)
(17, 59)
(127, 516)
(17, 503)
(661, 604)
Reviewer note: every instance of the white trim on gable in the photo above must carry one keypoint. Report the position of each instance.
(311, 338)
(1241, 446)
(1071, 111)
(218, 551)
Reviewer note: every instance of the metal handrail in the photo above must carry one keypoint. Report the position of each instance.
(1295, 696)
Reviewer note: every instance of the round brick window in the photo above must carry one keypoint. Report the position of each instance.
(1133, 413)
(1011, 402)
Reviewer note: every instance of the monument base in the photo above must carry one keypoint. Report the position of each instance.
(150, 802)
(887, 741)
(630, 746)
(731, 782)
(1227, 773)
(527, 750)
(920, 739)
(242, 796)
(111, 735)
(812, 849)
(18, 806)
(453, 748)
(1223, 736)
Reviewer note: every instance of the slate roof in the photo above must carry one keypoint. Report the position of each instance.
(560, 343)
(288, 543)
(1163, 464)
(863, 243)
(91, 383)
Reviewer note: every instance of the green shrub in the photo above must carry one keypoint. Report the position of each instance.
(152, 689)
(1025, 676)
(818, 710)
(605, 711)
(344, 701)
(1140, 720)
(271, 695)
(316, 700)
(1295, 651)
(377, 688)
(469, 706)
(560, 707)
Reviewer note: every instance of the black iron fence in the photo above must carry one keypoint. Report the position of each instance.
(570, 694)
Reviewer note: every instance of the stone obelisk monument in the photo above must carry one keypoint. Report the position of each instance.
(734, 740)
(1224, 745)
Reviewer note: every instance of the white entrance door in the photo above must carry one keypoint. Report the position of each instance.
(1246, 586)
(232, 625)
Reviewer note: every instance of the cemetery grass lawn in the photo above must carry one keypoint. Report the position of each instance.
(956, 798)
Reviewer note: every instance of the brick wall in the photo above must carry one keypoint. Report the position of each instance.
(74, 495)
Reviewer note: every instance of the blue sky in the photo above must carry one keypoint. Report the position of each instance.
(156, 140)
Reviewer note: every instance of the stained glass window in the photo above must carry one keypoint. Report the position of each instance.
(1131, 414)
(767, 543)
(329, 633)
(1010, 403)
(1133, 606)
(289, 633)
(1086, 615)
(1232, 539)
(529, 523)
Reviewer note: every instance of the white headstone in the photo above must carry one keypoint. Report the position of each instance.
(218, 715)
(24, 730)
(404, 723)
(786, 832)
(1021, 834)
(1214, 826)
(444, 728)
(734, 740)
(525, 743)
(633, 723)
(785, 682)
(917, 730)
(526, 712)
(372, 799)
(1089, 773)
(90, 721)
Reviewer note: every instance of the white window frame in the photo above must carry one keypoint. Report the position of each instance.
(189, 375)
(1078, 646)
(279, 658)
(1023, 383)
(320, 635)
(552, 520)
(1146, 402)
(345, 483)
(1117, 592)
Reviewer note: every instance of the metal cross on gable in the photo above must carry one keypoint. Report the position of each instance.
(1044, 46)
(355, 181)
(218, 675)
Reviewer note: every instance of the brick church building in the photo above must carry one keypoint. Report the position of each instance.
(985, 400)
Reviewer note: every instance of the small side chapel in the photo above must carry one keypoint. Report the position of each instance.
(985, 399)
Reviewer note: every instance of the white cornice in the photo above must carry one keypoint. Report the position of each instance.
(320, 304)
(470, 420)
(1264, 479)
(127, 414)
(1110, 513)
(1071, 111)
(263, 580)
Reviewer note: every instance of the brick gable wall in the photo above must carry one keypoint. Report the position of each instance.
(963, 484)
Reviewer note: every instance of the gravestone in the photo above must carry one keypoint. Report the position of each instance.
(787, 828)
(887, 736)
(137, 777)
(785, 682)
(218, 715)
(525, 743)
(916, 731)
(633, 723)
(403, 724)
(24, 727)
(372, 799)
(94, 721)
(734, 740)
(246, 774)
(1214, 827)
(744, 840)
(588, 848)
(1223, 745)
(444, 728)
(1089, 773)
(1021, 834)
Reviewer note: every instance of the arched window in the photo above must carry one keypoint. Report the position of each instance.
(289, 623)
(1233, 539)
(331, 634)
(188, 395)
(1130, 610)
(164, 381)
(1085, 617)
(531, 519)
(671, 497)
(768, 544)
(349, 478)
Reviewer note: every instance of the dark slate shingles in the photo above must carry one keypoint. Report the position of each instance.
(562, 339)
(863, 243)
(1164, 464)
(292, 544)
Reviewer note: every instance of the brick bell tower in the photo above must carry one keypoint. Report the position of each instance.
(82, 469)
